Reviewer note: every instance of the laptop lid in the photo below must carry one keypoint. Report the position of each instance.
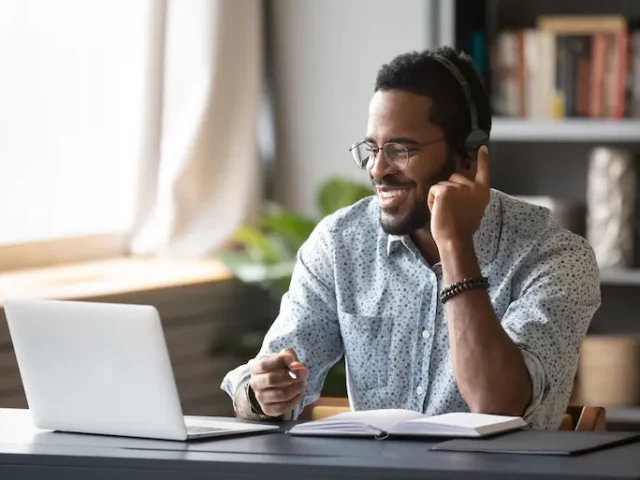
(98, 368)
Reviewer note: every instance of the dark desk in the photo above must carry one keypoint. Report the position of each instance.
(28, 453)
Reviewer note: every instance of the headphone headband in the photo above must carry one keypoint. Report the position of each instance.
(476, 137)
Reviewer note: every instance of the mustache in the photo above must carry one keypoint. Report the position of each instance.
(391, 182)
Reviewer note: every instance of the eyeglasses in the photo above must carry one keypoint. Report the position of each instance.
(395, 154)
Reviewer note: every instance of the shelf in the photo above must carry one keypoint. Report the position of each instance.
(506, 129)
(625, 415)
(620, 276)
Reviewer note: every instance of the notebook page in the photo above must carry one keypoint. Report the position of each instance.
(466, 420)
(380, 419)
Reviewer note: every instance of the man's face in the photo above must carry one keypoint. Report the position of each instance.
(403, 117)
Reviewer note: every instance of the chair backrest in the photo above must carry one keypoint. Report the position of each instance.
(579, 418)
(325, 407)
(585, 418)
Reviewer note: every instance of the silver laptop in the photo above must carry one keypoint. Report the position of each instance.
(103, 368)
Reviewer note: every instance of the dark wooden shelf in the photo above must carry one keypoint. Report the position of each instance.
(620, 276)
(627, 417)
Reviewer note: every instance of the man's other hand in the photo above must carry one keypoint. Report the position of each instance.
(272, 381)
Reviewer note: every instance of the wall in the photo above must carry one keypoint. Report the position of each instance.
(325, 58)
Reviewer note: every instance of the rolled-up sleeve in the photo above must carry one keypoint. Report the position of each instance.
(307, 321)
(538, 380)
(555, 292)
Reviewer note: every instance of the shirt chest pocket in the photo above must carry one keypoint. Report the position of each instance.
(367, 341)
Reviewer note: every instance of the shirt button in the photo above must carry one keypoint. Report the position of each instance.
(420, 390)
(425, 334)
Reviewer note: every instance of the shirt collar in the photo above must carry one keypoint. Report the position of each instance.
(485, 240)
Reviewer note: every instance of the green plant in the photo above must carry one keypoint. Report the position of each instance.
(265, 256)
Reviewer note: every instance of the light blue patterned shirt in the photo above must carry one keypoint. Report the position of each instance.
(371, 296)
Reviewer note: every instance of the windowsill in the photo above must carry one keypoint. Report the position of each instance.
(109, 277)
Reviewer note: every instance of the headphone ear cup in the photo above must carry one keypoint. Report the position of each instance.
(476, 139)
(471, 152)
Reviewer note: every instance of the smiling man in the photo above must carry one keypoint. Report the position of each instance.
(442, 293)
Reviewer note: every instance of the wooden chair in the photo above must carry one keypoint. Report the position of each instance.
(579, 418)
(325, 407)
(584, 419)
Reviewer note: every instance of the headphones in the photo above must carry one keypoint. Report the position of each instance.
(476, 137)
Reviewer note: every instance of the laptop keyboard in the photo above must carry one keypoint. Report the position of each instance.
(195, 429)
(202, 426)
(195, 426)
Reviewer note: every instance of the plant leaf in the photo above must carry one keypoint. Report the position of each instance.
(250, 271)
(337, 193)
(283, 283)
(294, 229)
(258, 245)
(282, 247)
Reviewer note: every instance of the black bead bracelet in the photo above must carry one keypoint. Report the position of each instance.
(463, 285)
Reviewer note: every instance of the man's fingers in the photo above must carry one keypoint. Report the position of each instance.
(268, 364)
(450, 183)
(298, 371)
(482, 169)
(434, 192)
(277, 409)
(279, 395)
(290, 356)
(276, 362)
(459, 179)
(278, 381)
(278, 378)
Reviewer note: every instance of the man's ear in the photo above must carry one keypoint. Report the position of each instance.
(473, 167)
(466, 166)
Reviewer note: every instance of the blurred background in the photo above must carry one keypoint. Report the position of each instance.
(177, 153)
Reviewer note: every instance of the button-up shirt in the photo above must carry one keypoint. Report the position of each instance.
(370, 296)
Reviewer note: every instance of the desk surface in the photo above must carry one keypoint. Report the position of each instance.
(26, 452)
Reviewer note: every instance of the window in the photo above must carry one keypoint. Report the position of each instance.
(73, 79)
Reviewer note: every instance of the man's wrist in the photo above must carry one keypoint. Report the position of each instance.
(241, 402)
(254, 405)
(458, 259)
(455, 246)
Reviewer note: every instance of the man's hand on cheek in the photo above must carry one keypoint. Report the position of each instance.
(457, 205)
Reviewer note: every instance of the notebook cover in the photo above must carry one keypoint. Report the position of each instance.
(540, 442)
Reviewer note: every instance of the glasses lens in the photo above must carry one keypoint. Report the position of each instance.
(362, 155)
(396, 155)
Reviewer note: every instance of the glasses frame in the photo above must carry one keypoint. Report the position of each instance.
(377, 150)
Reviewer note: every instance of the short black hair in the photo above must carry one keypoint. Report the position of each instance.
(420, 73)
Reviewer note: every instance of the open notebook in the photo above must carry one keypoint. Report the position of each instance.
(383, 423)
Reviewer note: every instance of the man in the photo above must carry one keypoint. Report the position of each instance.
(442, 293)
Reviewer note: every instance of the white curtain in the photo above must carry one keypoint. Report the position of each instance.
(200, 172)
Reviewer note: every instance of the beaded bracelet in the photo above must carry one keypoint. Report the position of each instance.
(465, 284)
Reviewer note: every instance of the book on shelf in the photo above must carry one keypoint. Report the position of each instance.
(398, 422)
(568, 66)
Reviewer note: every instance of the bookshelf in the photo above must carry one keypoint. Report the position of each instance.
(621, 277)
(506, 129)
(623, 418)
(545, 152)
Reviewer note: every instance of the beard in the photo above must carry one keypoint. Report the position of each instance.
(418, 216)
